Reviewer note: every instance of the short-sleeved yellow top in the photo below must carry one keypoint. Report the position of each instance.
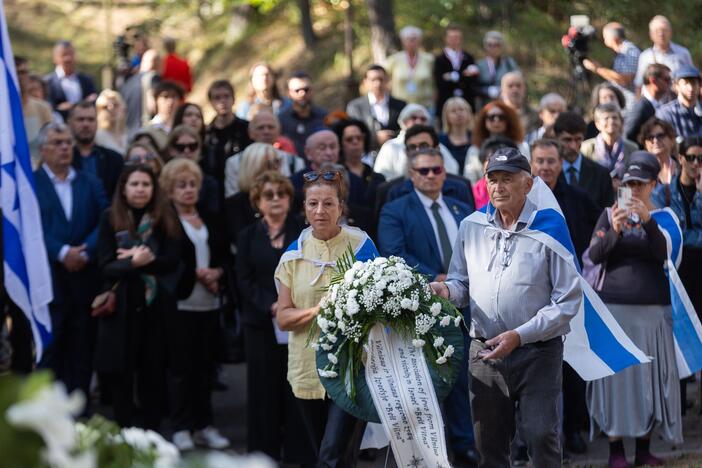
(300, 275)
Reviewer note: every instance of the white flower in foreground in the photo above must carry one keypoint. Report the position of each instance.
(331, 338)
(441, 360)
(439, 341)
(435, 309)
(327, 373)
(457, 320)
(325, 347)
(417, 343)
(50, 414)
(449, 351)
(445, 321)
(333, 359)
(315, 346)
(406, 303)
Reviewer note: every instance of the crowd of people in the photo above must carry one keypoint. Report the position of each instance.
(161, 227)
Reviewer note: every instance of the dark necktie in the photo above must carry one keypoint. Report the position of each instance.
(572, 175)
(444, 242)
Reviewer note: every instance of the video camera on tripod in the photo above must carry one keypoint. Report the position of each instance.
(577, 42)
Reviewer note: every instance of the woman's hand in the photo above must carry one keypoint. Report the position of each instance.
(142, 256)
(619, 217)
(125, 253)
(639, 207)
(209, 277)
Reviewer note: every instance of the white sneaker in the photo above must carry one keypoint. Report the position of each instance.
(183, 441)
(211, 438)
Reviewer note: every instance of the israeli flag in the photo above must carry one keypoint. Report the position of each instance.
(26, 266)
(596, 345)
(687, 329)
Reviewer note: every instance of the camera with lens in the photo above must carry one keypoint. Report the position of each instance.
(577, 40)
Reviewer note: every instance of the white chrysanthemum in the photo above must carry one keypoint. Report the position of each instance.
(380, 261)
(325, 347)
(338, 313)
(406, 303)
(449, 351)
(332, 358)
(457, 321)
(352, 307)
(327, 373)
(441, 360)
(435, 309)
(331, 338)
(439, 341)
(445, 321)
(415, 305)
(417, 343)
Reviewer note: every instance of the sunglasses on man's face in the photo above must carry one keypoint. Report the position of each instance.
(496, 118)
(324, 175)
(181, 147)
(692, 158)
(424, 171)
(417, 146)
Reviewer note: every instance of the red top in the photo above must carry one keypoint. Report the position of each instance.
(177, 69)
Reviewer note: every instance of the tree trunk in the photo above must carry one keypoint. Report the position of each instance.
(306, 23)
(382, 23)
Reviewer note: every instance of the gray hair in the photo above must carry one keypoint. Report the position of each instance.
(608, 108)
(552, 98)
(493, 36)
(659, 19)
(410, 109)
(410, 31)
(57, 127)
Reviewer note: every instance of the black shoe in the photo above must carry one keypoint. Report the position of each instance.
(575, 443)
(467, 459)
(521, 457)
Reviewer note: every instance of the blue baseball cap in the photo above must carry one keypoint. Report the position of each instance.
(687, 71)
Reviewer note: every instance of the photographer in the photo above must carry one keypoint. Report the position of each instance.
(625, 61)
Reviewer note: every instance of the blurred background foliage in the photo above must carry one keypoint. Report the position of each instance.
(223, 38)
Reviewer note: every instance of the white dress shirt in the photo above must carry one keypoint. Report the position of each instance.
(64, 192)
(70, 85)
(446, 216)
(380, 109)
(455, 57)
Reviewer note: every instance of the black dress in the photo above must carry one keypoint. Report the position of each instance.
(130, 343)
(274, 424)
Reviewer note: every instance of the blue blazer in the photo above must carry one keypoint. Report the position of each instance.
(405, 231)
(89, 201)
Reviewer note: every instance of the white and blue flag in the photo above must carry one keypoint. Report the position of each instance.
(26, 266)
(596, 345)
(687, 329)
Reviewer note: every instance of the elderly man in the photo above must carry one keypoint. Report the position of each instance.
(663, 50)
(71, 203)
(684, 113)
(625, 62)
(513, 92)
(264, 127)
(522, 296)
(550, 107)
(89, 157)
(66, 85)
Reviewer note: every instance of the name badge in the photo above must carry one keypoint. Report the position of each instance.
(411, 87)
(301, 129)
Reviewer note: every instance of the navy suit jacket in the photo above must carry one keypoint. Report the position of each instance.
(89, 201)
(56, 94)
(109, 166)
(406, 231)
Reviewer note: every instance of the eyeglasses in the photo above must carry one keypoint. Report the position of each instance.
(299, 90)
(134, 160)
(418, 146)
(656, 136)
(424, 171)
(269, 195)
(66, 142)
(496, 117)
(417, 117)
(181, 147)
(329, 176)
(692, 158)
